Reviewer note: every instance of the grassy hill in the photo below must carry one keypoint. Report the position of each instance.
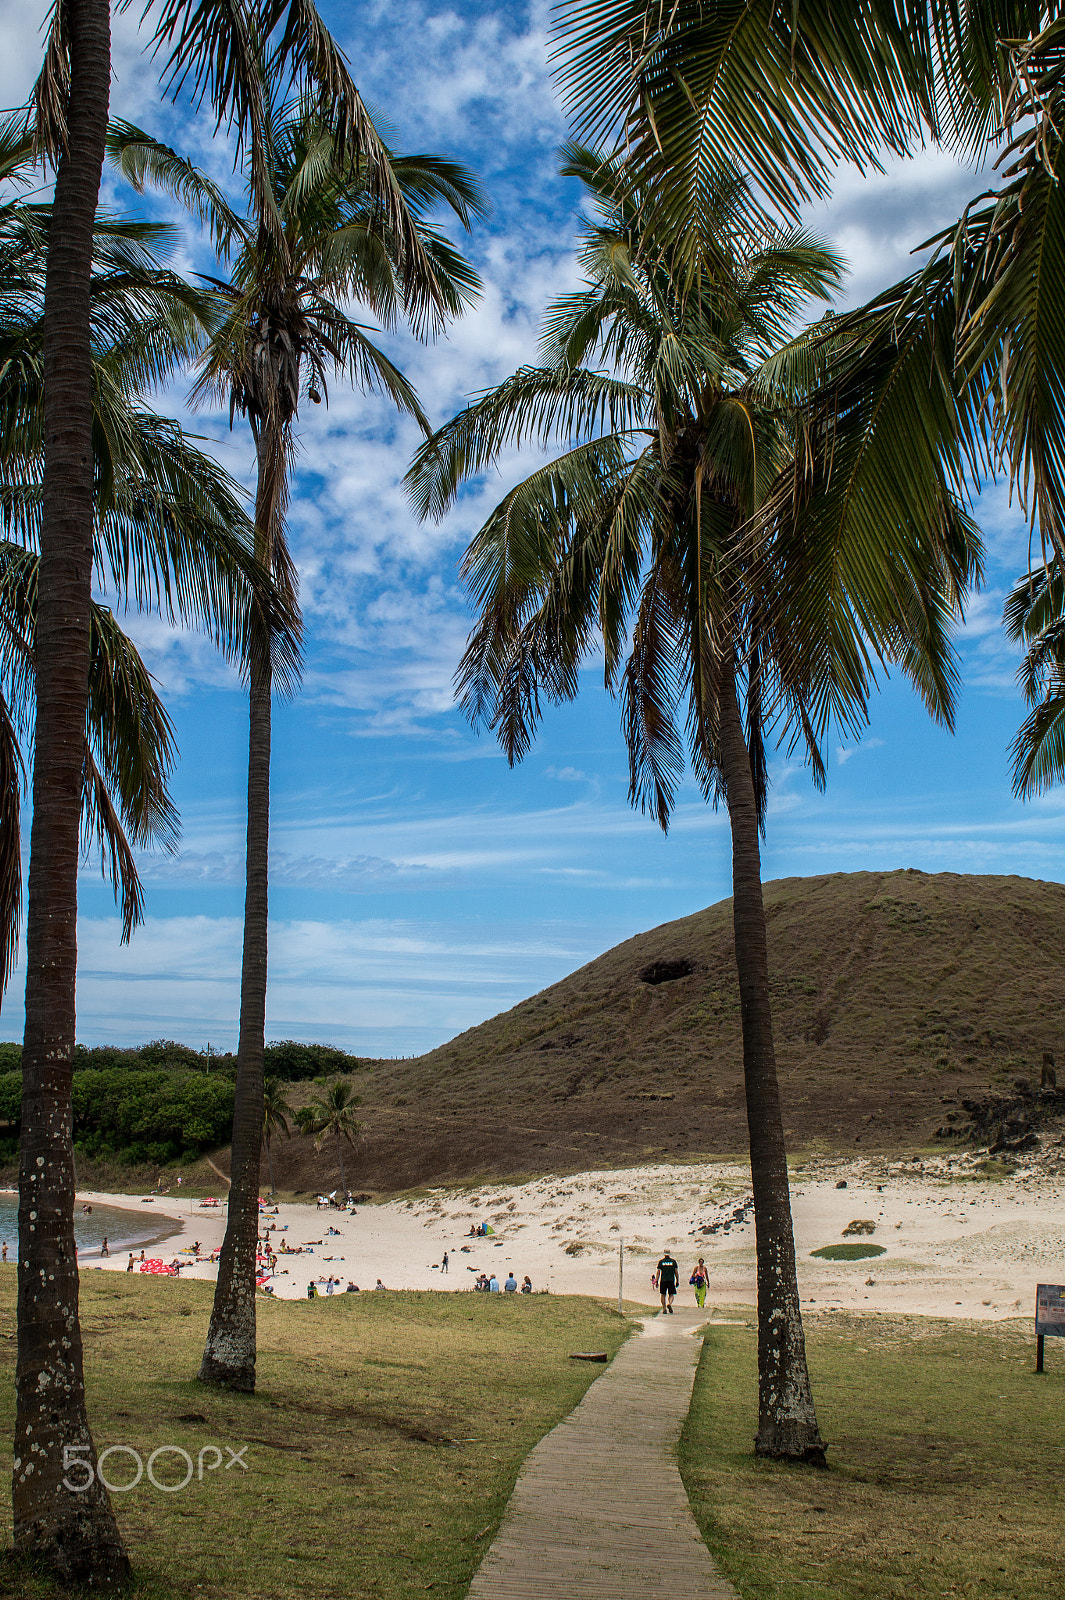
(896, 995)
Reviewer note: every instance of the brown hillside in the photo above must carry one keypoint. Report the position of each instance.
(896, 996)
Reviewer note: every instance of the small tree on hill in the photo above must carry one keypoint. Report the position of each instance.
(332, 1113)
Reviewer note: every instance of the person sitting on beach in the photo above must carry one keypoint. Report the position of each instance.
(352, 1288)
(141, 1256)
(526, 1284)
(472, 1233)
(312, 1292)
(493, 1284)
(196, 1247)
(511, 1285)
(335, 1231)
(378, 1284)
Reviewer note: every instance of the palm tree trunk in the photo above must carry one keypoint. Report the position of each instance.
(68, 1526)
(787, 1422)
(340, 1155)
(229, 1355)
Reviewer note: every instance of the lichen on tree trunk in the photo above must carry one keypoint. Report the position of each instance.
(63, 1518)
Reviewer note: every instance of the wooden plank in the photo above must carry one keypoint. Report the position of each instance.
(599, 1511)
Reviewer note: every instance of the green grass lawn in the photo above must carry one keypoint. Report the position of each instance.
(946, 1460)
(383, 1441)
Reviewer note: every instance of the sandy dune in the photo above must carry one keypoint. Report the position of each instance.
(956, 1244)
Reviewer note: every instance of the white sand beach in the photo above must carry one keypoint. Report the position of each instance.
(955, 1245)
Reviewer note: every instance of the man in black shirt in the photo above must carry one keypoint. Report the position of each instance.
(668, 1274)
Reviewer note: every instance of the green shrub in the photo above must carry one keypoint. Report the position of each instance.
(151, 1117)
(848, 1252)
(11, 1097)
(291, 1061)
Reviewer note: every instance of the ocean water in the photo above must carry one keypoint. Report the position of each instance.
(119, 1226)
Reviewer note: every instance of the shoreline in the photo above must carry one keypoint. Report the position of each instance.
(140, 1239)
(144, 1237)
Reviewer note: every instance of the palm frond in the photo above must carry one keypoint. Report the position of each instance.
(531, 407)
(143, 160)
(101, 822)
(52, 89)
(785, 92)
(1034, 614)
(131, 735)
(650, 692)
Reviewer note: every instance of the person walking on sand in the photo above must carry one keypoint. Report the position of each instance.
(667, 1273)
(3, 1251)
(104, 1251)
(698, 1282)
(129, 1263)
(443, 1264)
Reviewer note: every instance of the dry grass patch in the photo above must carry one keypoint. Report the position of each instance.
(383, 1442)
(945, 1465)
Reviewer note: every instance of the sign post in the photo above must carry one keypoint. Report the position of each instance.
(621, 1269)
(1049, 1317)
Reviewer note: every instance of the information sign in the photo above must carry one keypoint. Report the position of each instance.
(1050, 1310)
(1049, 1317)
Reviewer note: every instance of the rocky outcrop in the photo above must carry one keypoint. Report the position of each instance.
(1007, 1123)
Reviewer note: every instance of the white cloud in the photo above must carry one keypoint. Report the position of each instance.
(844, 752)
(372, 986)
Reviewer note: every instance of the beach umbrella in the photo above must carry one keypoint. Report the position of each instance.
(156, 1266)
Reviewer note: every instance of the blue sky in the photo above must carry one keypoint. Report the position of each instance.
(419, 885)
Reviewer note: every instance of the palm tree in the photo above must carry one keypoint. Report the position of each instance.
(332, 1114)
(677, 402)
(165, 529)
(216, 52)
(276, 1112)
(284, 333)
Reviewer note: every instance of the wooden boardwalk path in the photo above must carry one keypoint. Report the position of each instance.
(599, 1511)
